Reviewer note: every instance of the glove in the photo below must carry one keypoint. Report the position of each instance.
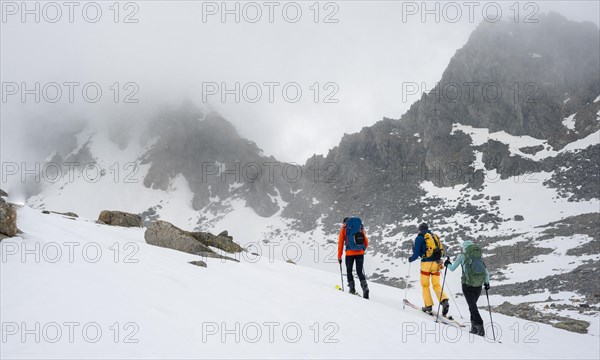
(340, 261)
(447, 262)
(411, 260)
(486, 286)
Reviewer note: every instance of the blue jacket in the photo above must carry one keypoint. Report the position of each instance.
(420, 248)
(460, 260)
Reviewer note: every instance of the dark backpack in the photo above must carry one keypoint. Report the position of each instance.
(355, 239)
(474, 268)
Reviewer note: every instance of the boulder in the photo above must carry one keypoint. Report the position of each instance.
(532, 149)
(578, 326)
(477, 197)
(164, 234)
(120, 218)
(223, 242)
(519, 218)
(486, 218)
(198, 263)
(8, 218)
(68, 213)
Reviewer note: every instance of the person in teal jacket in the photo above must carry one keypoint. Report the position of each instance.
(471, 293)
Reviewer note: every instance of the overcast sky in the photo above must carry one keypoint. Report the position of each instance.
(176, 50)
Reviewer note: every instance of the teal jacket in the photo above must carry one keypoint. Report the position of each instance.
(460, 260)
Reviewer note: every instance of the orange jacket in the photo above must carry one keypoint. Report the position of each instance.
(342, 241)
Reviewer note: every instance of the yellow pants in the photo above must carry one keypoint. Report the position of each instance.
(431, 270)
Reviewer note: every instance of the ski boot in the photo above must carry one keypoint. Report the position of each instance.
(351, 287)
(477, 329)
(365, 289)
(427, 309)
(445, 307)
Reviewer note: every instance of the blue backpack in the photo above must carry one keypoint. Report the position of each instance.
(355, 239)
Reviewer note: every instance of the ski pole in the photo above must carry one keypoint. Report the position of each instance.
(441, 293)
(455, 305)
(490, 310)
(406, 287)
(341, 276)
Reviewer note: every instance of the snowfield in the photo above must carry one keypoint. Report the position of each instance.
(480, 136)
(71, 288)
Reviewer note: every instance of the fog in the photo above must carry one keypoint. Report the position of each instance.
(359, 55)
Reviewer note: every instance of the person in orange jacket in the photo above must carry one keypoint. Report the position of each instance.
(353, 256)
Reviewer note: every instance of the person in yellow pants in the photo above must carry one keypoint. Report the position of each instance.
(425, 244)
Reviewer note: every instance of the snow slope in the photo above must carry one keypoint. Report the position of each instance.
(274, 238)
(121, 187)
(480, 136)
(137, 300)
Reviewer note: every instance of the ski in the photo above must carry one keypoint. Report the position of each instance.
(448, 320)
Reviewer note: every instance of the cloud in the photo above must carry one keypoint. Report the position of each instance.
(350, 72)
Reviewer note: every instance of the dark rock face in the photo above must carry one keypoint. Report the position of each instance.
(8, 218)
(120, 218)
(503, 55)
(207, 150)
(519, 253)
(376, 172)
(165, 234)
(3, 193)
(576, 175)
(586, 224)
(581, 280)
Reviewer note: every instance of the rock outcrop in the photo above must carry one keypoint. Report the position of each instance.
(198, 263)
(528, 312)
(8, 219)
(68, 213)
(120, 218)
(221, 241)
(201, 151)
(384, 164)
(164, 234)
